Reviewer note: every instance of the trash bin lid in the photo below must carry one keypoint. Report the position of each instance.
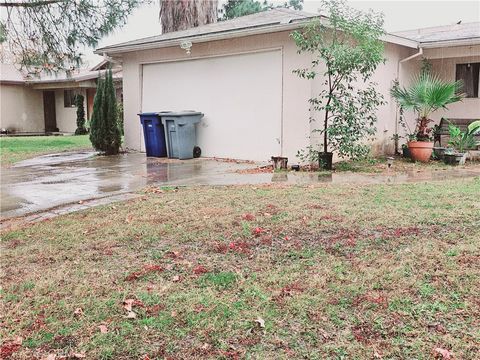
(147, 114)
(185, 113)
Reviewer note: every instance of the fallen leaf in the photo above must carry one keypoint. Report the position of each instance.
(103, 329)
(173, 314)
(260, 322)
(78, 312)
(79, 355)
(127, 304)
(258, 230)
(200, 270)
(444, 353)
(131, 315)
(50, 357)
(176, 278)
(248, 217)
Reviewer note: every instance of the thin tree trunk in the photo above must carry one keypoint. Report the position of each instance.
(178, 15)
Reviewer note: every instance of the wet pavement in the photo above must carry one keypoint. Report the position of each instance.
(54, 180)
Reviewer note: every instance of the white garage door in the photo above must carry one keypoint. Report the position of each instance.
(240, 95)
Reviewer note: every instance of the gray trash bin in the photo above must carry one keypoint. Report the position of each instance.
(180, 133)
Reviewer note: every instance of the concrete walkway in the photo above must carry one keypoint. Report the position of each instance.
(66, 181)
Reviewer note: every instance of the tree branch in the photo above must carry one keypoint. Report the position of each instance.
(30, 4)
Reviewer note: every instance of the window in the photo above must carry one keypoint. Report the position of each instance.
(469, 74)
(69, 98)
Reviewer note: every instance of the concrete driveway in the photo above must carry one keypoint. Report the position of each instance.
(52, 180)
(49, 181)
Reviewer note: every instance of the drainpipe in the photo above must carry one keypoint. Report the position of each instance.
(417, 54)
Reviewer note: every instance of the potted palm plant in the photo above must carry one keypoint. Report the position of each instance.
(425, 95)
(460, 142)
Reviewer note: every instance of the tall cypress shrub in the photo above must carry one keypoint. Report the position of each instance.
(81, 130)
(104, 131)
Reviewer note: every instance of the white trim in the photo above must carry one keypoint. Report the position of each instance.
(450, 43)
(276, 48)
(398, 40)
(157, 44)
(231, 34)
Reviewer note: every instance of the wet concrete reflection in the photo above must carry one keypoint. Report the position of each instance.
(48, 181)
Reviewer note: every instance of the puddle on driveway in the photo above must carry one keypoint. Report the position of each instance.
(49, 181)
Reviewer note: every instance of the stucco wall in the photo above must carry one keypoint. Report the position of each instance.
(296, 91)
(67, 117)
(21, 108)
(383, 77)
(468, 108)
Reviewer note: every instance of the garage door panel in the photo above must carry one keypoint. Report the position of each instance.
(240, 95)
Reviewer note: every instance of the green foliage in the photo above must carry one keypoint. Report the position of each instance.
(348, 47)
(104, 131)
(49, 35)
(462, 141)
(81, 130)
(120, 117)
(426, 94)
(235, 8)
(426, 66)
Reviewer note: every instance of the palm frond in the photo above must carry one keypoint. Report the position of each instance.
(427, 93)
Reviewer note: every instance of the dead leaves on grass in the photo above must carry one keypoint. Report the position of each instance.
(10, 346)
(443, 354)
(128, 305)
(147, 269)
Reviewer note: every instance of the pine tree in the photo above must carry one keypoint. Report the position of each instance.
(104, 131)
(81, 130)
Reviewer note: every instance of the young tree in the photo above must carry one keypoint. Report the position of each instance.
(181, 15)
(48, 34)
(81, 130)
(235, 8)
(104, 131)
(346, 50)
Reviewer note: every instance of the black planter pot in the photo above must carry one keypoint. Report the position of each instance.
(406, 153)
(325, 160)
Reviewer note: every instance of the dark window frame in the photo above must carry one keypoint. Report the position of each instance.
(69, 96)
(469, 74)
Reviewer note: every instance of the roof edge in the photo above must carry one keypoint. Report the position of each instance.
(234, 33)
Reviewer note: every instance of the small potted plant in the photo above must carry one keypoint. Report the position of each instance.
(460, 142)
(427, 94)
(438, 151)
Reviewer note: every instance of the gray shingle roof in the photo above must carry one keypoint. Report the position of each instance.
(465, 31)
(276, 16)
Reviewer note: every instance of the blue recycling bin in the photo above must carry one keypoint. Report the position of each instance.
(154, 134)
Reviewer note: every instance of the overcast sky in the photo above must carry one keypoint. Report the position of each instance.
(399, 15)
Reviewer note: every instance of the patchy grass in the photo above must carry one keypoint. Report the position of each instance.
(379, 164)
(265, 272)
(15, 149)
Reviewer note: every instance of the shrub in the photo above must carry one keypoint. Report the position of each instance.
(81, 130)
(104, 131)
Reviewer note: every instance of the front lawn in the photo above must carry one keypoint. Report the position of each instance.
(264, 272)
(15, 149)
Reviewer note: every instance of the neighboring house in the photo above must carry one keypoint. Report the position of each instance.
(239, 74)
(47, 104)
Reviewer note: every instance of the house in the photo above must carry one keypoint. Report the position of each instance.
(239, 74)
(47, 104)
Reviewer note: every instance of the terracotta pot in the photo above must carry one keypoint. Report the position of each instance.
(420, 150)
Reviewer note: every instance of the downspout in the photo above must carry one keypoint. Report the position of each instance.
(417, 54)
